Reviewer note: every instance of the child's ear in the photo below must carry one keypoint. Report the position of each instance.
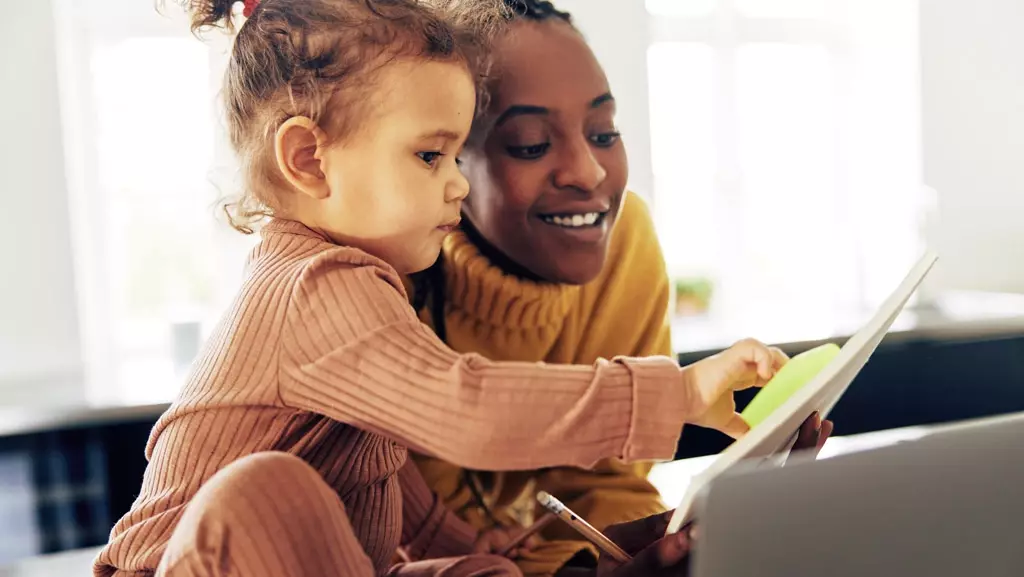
(297, 147)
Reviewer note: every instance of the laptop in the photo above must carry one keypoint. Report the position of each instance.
(950, 503)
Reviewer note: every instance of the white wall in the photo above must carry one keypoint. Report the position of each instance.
(973, 125)
(617, 31)
(38, 327)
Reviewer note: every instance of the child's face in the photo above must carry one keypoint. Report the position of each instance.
(395, 188)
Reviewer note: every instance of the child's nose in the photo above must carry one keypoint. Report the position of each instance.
(457, 189)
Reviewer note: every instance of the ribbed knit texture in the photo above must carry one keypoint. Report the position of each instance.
(241, 522)
(624, 311)
(321, 356)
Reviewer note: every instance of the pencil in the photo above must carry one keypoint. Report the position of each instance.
(582, 527)
(529, 532)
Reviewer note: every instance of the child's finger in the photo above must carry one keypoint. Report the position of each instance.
(764, 371)
(735, 427)
(779, 358)
(767, 368)
(767, 360)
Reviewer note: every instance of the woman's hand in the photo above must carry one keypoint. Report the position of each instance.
(497, 540)
(746, 364)
(654, 553)
(813, 434)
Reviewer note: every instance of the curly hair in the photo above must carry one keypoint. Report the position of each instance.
(538, 10)
(317, 58)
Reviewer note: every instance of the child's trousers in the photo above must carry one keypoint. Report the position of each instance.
(270, 514)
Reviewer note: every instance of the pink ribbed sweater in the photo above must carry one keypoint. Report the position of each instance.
(321, 356)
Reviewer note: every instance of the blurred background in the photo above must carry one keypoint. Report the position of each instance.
(798, 155)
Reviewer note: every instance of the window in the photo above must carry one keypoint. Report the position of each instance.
(786, 155)
(147, 165)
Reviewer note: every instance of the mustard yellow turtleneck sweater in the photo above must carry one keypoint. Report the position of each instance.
(622, 312)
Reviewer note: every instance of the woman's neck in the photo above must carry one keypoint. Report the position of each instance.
(484, 285)
(495, 256)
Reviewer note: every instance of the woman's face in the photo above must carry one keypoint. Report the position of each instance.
(546, 167)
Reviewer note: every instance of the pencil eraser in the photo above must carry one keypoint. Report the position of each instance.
(791, 378)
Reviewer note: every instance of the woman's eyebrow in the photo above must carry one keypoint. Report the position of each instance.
(520, 110)
(604, 98)
(533, 110)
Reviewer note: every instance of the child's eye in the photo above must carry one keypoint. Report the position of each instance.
(606, 139)
(429, 157)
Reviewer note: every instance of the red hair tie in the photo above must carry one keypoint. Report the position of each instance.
(248, 6)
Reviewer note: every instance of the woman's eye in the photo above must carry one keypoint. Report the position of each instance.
(529, 152)
(605, 139)
(429, 157)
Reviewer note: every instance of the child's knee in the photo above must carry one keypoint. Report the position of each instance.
(272, 465)
(261, 472)
(276, 488)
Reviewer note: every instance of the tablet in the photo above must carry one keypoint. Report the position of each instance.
(791, 378)
(779, 417)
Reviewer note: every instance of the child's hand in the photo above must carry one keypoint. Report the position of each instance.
(746, 364)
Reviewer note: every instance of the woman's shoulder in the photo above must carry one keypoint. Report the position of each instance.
(623, 311)
(635, 206)
(634, 257)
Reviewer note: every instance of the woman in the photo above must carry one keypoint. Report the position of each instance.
(556, 262)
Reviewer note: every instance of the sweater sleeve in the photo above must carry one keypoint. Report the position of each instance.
(429, 529)
(353, 350)
(613, 491)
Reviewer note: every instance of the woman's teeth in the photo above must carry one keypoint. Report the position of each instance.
(572, 220)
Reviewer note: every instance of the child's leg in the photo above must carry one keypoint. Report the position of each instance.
(468, 566)
(265, 514)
